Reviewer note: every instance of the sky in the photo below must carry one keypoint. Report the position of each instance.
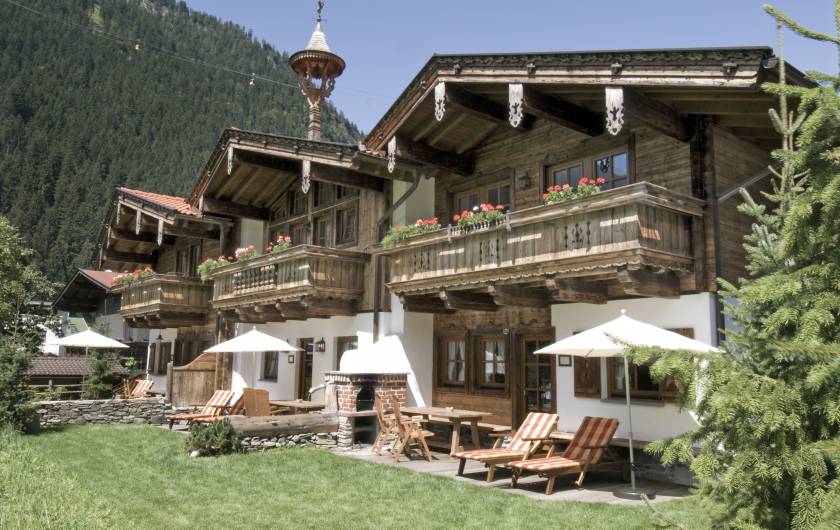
(385, 43)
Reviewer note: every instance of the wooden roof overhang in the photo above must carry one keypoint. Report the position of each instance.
(137, 225)
(81, 294)
(249, 171)
(661, 89)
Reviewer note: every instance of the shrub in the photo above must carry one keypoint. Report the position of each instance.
(217, 438)
(398, 233)
(96, 385)
(15, 409)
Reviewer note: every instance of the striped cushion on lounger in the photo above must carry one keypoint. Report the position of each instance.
(592, 432)
(536, 425)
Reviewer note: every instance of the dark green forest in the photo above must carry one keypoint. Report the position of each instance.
(81, 114)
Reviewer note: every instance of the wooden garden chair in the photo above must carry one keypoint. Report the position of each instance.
(583, 452)
(524, 443)
(410, 432)
(212, 409)
(140, 388)
(237, 408)
(257, 403)
(387, 427)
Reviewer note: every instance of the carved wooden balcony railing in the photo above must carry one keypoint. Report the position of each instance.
(302, 282)
(165, 300)
(639, 240)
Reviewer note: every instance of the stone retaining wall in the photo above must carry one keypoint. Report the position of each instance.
(101, 411)
(324, 440)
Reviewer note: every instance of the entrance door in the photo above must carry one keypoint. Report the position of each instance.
(305, 362)
(537, 392)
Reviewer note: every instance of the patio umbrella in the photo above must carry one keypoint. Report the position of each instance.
(87, 339)
(254, 341)
(608, 340)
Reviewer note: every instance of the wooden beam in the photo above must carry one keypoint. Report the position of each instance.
(129, 257)
(269, 312)
(268, 426)
(346, 177)
(468, 301)
(130, 235)
(644, 282)
(266, 161)
(519, 296)
(436, 158)
(233, 209)
(481, 107)
(197, 233)
(291, 310)
(587, 292)
(317, 307)
(418, 304)
(558, 110)
(654, 114)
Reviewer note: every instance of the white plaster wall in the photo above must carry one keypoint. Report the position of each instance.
(420, 205)
(651, 421)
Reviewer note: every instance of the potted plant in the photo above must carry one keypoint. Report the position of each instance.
(480, 217)
(399, 233)
(280, 244)
(586, 187)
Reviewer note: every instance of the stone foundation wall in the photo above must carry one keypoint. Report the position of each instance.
(101, 411)
(324, 440)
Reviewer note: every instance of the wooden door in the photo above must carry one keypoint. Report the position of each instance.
(536, 382)
(304, 368)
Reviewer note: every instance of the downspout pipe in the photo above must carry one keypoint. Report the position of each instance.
(377, 260)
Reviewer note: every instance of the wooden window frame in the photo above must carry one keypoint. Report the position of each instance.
(330, 236)
(442, 362)
(265, 364)
(480, 386)
(482, 191)
(667, 389)
(301, 366)
(587, 163)
(625, 150)
(549, 171)
(340, 343)
(339, 210)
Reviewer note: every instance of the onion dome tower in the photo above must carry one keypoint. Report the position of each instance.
(317, 68)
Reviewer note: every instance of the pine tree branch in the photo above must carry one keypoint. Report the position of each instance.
(794, 26)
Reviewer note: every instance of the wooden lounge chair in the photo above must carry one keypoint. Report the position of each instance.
(212, 409)
(257, 403)
(410, 432)
(387, 427)
(141, 388)
(584, 451)
(237, 408)
(525, 442)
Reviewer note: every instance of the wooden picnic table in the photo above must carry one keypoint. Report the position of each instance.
(455, 417)
(297, 406)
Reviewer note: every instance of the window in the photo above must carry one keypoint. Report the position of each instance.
(342, 192)
(270, 360)
(641, 383)
(163, 357)
(343, 345)
(297, 203)
(452, 361)
(345, 226)
(496, 193)
(492, 372)
(299, 234)
(613, 169)
(564, 174)
(323, 231)
(587, 377)
(186, 261)
(324, 193)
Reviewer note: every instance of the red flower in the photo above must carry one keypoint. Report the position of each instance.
(545, 196)
(601, 180)
(566, 186)
(500, 206)
(397, 228)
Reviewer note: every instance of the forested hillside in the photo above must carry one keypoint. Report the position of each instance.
(81, 113)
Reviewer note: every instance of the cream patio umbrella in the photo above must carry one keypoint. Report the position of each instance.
(254, 341)
(609, 340)
(87, 339)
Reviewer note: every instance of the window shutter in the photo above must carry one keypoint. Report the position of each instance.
(668, 389)
(587, 377)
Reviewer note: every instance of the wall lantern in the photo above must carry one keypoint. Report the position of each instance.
(321, 346)
(291, 358)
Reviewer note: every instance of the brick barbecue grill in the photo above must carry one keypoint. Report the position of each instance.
(355, 394)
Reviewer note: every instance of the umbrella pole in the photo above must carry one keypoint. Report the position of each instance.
(629, 423)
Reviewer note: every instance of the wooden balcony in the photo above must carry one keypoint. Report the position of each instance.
(639, 240)
(165, 301)
(302, 282)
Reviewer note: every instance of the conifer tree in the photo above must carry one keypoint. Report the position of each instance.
(769, 405)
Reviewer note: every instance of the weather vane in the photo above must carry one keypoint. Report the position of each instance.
(320, 7)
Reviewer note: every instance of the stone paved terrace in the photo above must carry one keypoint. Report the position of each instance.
(598, 487)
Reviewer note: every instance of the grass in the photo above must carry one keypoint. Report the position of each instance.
(141, 477)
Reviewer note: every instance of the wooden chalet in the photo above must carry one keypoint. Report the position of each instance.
(673, 133)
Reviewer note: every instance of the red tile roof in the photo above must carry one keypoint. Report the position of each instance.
(103, 278)
(65, 366)
(177, 204)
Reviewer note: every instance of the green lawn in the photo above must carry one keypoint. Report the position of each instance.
(141, 477)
